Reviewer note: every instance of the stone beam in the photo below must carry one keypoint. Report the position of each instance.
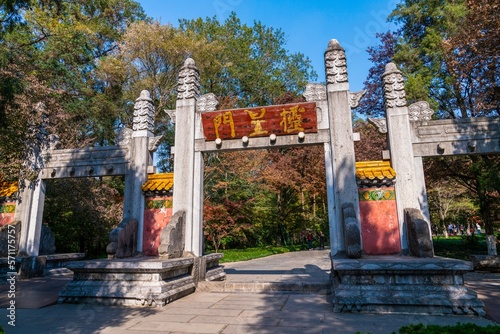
(321, 137)
(85, 162)
(479, 135)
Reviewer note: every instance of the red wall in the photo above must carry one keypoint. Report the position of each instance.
(7, 210)
(379, 221)
(157, 213)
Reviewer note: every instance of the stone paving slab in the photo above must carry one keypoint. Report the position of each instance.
(261, 313)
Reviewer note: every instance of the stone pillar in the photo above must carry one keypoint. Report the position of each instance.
(133, 204)
(400, 145)
(343, 164)
(421, 189)
(32, 199)
(188, 184)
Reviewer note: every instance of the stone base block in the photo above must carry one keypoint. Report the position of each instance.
(129, 282)
(32, 266)
(489, 263)
(214, 271)
(403, 285)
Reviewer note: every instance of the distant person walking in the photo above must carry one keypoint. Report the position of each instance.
(310, 239)
(478, 228)
(321, 240)
(450, 229)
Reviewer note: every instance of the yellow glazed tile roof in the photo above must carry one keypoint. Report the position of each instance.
(375, 173)
(7, 189)
(159, 182)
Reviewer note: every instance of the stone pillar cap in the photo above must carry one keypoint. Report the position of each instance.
(333, 44)
(144, 96)
(390, 68)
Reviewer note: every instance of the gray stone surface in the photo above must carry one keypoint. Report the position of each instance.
(403, 285)
(419, 238)
(123, 240)
(478, 135)
(47, 241)
(139, 281)
(352, 235)
(486, 262)
(172, 237)
(245, 312)
(343, 165)
(129, 282)
(4, 238)
(32, 266)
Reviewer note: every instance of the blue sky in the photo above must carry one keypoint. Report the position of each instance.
(307, 25)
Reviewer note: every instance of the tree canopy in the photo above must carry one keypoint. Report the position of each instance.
(49, 51)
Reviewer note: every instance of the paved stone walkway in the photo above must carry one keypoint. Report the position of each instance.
(237, 312)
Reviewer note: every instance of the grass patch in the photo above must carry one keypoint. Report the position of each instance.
(460, 247)
(235, 255)
(457, 329)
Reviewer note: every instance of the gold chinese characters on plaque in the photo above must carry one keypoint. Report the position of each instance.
(260, 121)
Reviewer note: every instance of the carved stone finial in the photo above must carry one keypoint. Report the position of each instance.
(315, 92)
(335, 63)
(394, 87)
(420, 112)
(189, 81)
(380, 124)
(144, 112)
(354, 98)
(207, 102)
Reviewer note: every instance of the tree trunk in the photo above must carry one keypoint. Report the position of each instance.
(491, 244)
(314, 205)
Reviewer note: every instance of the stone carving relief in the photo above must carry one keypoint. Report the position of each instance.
(207, 102)
(154, 142)
(188, 85)
(380, 124)
(394, 87)
(315, 92)
(171, 114)
(335, 63)
(420, 111)
(144, 113)
(354, 98)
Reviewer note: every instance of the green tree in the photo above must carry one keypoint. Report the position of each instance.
(255, 68)
(81, 213)
(48, 53)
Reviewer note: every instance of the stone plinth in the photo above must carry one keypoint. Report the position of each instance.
(403, 285)
(138, 281)
(213, 271)
(129, 282)
(486, 262)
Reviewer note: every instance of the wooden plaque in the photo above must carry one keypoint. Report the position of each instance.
(260, 121)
